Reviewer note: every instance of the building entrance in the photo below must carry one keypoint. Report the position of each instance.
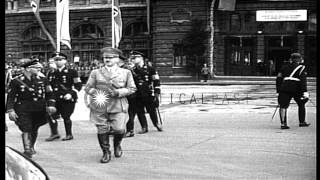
(276, 58)
(278, 50)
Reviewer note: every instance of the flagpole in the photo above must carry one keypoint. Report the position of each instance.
(112, 24)
(57, 27)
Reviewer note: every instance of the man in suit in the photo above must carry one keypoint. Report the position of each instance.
(108, 88)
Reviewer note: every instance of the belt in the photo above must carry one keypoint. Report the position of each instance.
(291, 79)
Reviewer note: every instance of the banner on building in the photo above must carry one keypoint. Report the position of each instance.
(35, 5)
(227, 5)
(63, 34)
(281, 15)
(116, 24)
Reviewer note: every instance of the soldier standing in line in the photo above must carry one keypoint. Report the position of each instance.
(148, 91)
(30, 98)
(292, 83)
(62, 80)
(108, 87)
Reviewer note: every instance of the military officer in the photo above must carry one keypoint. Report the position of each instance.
(108, 87)
(30, 98)
(62, 81)
(291, 83)
(148, 90)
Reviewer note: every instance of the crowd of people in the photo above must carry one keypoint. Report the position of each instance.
(120, 88)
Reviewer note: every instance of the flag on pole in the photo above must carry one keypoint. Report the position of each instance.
(227, 5)
(63, 34)
(35, 5)
(116, 24)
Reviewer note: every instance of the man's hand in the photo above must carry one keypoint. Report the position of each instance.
(305, 95)
(13, 116)
(113, 93)
(51, 110)
(68, 96)
(156, 100)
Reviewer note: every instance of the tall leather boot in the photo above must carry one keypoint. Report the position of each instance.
(283, 118)
(34, 136)
(143, 121)
(68, 126)
(302, 116)
(117, 139)
(53, 123)
(26, 140)
(105, 146)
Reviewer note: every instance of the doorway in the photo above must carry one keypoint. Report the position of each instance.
(278, 56)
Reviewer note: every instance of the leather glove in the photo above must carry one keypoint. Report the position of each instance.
(305, 95)
(156, 100)
(13, 115)
(51, 110)
(68, 96)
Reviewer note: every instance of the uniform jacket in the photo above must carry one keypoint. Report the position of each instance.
(297, 84)
(62, 83)
(147, 81)
(120, 80)
(26, 95)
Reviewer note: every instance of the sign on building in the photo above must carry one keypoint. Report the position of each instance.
(281, 15)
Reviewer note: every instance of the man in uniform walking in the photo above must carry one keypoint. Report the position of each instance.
(108, 88)
(148, 91)
(62, 80)
(30, 98)
(292, 83)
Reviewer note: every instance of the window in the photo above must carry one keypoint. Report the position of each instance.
(87, 40)
(235, 22)
(312, 22)
(12, 5)
(136, 37)
(35, 43)
(179, 57)
(240, 55)
(136, 28)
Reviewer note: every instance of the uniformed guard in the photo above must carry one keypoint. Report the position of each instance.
(62, 81)
(292, 83)
(148, 91)
(126, 64)
(30, 98)
(108, 88)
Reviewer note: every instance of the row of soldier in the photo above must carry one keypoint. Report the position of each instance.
(35, 99)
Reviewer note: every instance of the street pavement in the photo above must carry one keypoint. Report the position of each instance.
(210, 132)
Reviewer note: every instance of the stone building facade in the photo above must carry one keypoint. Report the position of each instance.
(232, 41)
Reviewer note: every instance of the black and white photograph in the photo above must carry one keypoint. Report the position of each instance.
(160, 89)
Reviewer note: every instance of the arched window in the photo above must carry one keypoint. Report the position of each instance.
(35, 43)
(136, 37)
(87, 40)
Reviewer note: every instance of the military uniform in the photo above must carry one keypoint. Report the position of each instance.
(62, 81)
(147, 81)
(108, 87)
(292, 83)
(29, 99)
